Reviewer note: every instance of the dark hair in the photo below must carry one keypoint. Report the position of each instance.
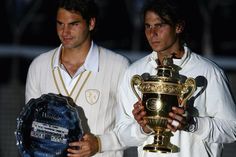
(86, 8)
(171, 12)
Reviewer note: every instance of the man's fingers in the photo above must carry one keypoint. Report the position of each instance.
(175, 123)
(177, 117)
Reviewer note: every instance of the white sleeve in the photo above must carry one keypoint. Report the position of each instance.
(219, 126)
(110, 140)
(128, 130)
(32, 89)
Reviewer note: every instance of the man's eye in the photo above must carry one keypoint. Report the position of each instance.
(147, 26)
(59, 24)
(156, 26)
(75, 24)
(159, 25)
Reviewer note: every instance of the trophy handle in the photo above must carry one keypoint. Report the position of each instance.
(188, 89)
(136, 81)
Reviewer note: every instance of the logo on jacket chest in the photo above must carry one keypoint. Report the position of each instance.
(92, 96)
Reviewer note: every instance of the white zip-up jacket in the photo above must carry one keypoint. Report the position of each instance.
(213, 104)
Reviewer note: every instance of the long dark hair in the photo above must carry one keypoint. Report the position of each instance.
(171, 12)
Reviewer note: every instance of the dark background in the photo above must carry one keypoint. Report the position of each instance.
(118, 24)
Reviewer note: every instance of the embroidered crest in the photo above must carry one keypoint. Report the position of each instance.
(92, 96)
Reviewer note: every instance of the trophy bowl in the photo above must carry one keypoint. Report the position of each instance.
(160, 93)
(46, 125)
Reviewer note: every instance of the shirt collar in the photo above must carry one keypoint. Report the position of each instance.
(180, 62)
(91, 62)
(55, 57)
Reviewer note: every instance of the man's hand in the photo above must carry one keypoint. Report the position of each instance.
(139, 113)
(177, 119)
(88, 146)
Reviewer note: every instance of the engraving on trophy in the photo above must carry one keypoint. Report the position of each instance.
(51, 116)
(160, 93)
(51, 132)
(154, 104)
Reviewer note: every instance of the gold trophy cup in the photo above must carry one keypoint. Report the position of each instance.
(159, 93)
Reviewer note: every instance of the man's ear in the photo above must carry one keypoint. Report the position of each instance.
(92, 23)
(180, 27)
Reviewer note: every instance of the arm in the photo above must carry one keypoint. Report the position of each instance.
(129, 131)
(32, 90)
(217, 113)
(90, 144)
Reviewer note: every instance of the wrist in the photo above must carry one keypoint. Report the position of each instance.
(99, 144)
(192, 124)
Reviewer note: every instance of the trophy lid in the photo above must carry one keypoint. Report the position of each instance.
(167, 72)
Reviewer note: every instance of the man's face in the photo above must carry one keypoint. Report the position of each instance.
(72, 29)
(162, 37)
